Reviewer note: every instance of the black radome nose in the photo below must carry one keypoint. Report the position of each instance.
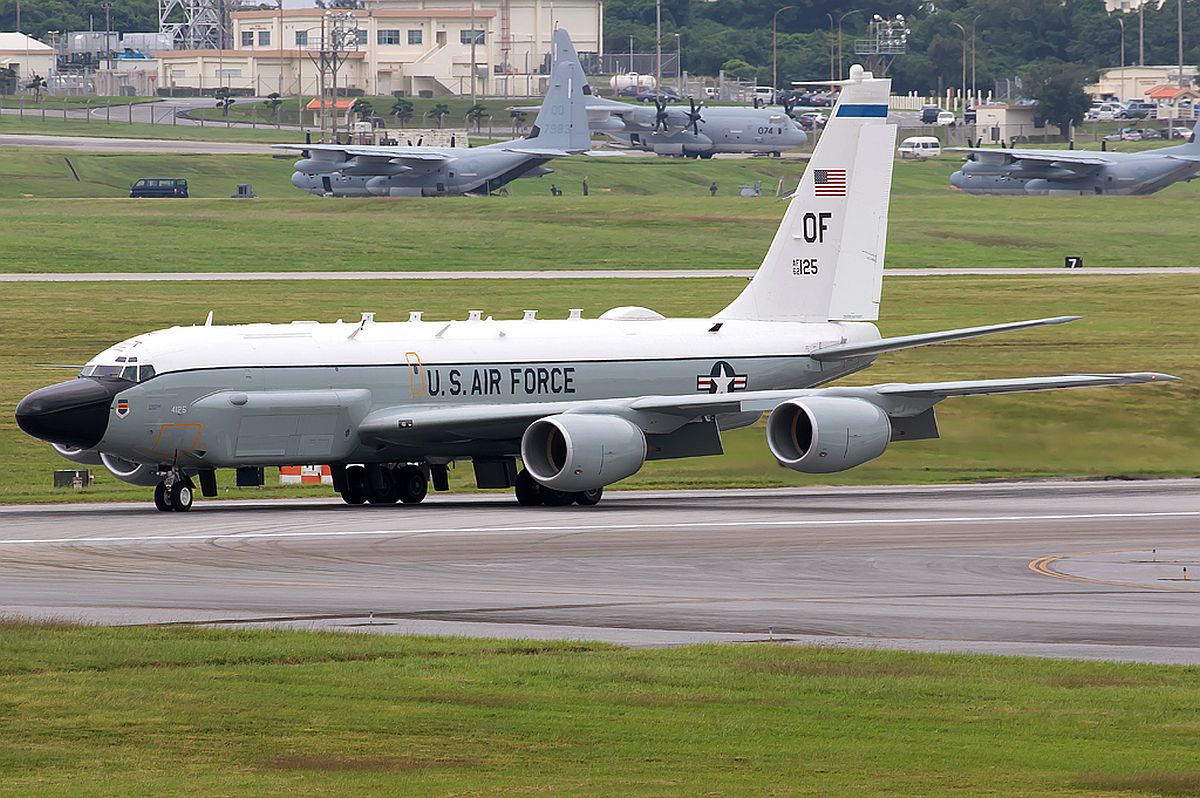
(72, 413)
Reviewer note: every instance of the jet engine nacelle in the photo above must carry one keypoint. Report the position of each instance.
(131, 472)
(89, 457)
(576, 451)
(823, 434)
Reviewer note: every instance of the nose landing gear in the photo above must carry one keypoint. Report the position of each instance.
(175, 493)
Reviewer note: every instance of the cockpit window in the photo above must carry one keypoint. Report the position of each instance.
(131, 371)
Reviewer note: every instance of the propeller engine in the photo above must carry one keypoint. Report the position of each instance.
(694, 117)
(789, 105)
(661, 117)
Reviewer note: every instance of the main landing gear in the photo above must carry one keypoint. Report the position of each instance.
(380, 484)
(531, 494)
(174, 494)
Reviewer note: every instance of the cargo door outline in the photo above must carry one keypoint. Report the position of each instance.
(416, 375)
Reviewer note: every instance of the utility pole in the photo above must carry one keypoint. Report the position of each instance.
(107, 6)
(1121, 20)
(19, 16)
(974, 95)
(828, 14)
(1179, 32)
(474, 39)
(1142, 33)
(775, 48)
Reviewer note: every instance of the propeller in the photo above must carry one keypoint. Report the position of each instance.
(693, 116)
(307, 140)
(789, 104)
(661, 117)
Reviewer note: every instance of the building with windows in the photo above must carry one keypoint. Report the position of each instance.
(25, 56)
(396, 45)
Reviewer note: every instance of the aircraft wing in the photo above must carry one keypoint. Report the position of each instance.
(393, 154)
(1060, 157)
(413, 424)
(538, 153)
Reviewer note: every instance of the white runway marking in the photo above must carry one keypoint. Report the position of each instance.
(578, 528)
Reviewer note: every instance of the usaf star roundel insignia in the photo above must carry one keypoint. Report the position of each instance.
(122, 408)
(721, 379)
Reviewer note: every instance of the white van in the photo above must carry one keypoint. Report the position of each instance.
(765, 94)
(920, 147)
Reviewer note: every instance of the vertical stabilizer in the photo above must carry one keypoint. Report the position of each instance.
(561, 123)
(826, 261)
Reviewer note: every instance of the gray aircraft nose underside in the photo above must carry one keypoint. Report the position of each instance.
(73, 413)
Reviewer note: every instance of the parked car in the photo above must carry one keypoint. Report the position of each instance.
(1180, 132)
(946, 118)
(764, 94)
(631, 91)
(969, 115)
(712, 93)
(810, 119)
(1140, 109)
(667, 94)
(1103, 112)
(920, 147)
(159, 187)
(929, 114)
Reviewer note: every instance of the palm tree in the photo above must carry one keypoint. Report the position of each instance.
(402, 109)
(274, 102)
(476, 114)
(439, 111)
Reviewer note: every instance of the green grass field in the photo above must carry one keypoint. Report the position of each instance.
(71, 102)
(643, 212)
(118, 126)
(1131, 324)
(153, 712)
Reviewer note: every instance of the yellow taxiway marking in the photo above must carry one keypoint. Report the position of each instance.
(1044, 566)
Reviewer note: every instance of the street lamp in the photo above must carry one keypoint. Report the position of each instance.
(657, 45)
(1121, 21)
(679, 64)
(839, 54)
(974, 95)
(775, 48)
(830, 15)
(963, 85)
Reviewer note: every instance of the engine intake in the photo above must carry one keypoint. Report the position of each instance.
(131, 472)
(89, 457)
(575, 452)
(824, 434)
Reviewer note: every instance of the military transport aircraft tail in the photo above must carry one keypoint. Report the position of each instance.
(826, 261)
(561, 126)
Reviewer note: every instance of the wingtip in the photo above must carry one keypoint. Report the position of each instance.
(1152, 376)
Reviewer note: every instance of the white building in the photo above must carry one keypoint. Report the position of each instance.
(26, 56)
(400, 45)
(1000, 122)
(1134, 82)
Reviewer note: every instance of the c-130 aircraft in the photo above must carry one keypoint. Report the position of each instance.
(583, 403)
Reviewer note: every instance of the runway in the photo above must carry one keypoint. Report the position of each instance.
(1067, 569)
(559, 274)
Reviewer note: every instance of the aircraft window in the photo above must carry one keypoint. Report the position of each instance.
(129, 373)
(146, 373)
(105, 371)
(120, 360)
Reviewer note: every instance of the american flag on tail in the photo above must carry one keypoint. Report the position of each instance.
(829, 182)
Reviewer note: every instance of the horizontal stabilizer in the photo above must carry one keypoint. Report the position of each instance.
(867, 348)
(941, 390)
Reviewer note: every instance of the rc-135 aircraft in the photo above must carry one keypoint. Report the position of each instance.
(347, 170)
(583, 403)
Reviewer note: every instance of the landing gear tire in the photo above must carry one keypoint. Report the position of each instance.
(589, 498)
(356, 481)
(182, 495)
(385, 495)
(162, 497)
(529, 492)
(411, 484)
(556, 498)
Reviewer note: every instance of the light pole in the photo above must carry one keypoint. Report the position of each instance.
(775, 48)
(828, 14)
(963, 85)
(1121, 21)
(974, 96)
(658, 44)
(679, 63)
(1142, 33)
(839, 54)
